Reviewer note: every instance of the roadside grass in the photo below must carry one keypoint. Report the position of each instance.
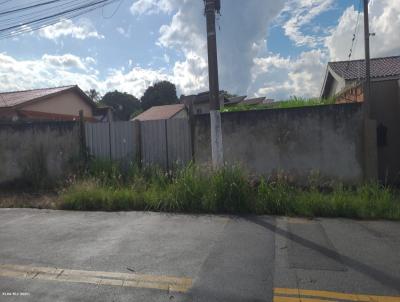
(294, 102)
(108, 187)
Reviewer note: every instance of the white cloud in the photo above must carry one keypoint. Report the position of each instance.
(150, 7)
(82, 30)
(51, 71)
(243, 29)
(299, 14)
(384, 22)
(125, 32)
(134, 81)
(47, 71)
(67, 61)
(191, 75)
(279, 77)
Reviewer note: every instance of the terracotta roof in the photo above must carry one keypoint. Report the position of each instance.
(15, 98)
(160, 112)
(380, 68)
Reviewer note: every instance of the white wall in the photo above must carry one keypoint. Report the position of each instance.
(69, 103)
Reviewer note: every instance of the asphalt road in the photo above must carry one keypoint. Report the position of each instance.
(92, 256)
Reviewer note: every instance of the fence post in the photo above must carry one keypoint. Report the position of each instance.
(192, 133)
(82, 136)
(166, 143)
(138, 135)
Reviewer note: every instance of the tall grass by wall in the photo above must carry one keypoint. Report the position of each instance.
(228, 190)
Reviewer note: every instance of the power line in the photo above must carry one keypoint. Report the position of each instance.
(29, 7)
(354, 40)
(113, 13)
(54, 12)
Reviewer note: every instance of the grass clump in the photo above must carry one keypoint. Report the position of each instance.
(92, 196)
(293, 102)
(108, 187)
(229, 192)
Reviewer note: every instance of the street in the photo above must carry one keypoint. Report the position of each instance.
(48, 255)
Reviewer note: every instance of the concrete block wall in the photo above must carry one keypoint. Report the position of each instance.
(23, 145)
(322, 141)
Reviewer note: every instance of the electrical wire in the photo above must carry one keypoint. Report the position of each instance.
(44, 14)
(114, 12)
(355, 34)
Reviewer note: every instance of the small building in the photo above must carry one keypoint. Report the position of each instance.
(200, 103)
(344, 81)
(254, 101)
(165, 112)
(344, 75)
(50, 104)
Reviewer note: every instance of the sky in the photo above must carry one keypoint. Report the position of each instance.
(272, 48)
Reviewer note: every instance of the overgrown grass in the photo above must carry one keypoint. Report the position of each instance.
(107, 187)
(293, 102)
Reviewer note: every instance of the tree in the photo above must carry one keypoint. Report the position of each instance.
(228, 95)
(162, 93)
(124, 104)
(94, 95)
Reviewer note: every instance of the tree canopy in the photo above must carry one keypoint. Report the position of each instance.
(124, 104)
(161, 93)
(94, 95)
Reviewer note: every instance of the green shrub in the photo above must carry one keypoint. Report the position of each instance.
(188, 189)
(90, 196)
(109, 187)
(229, 192)
(274, 198)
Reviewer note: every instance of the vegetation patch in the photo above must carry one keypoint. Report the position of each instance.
(109, 187)
(294, 102)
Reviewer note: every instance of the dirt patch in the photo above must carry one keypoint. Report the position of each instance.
(29, 200)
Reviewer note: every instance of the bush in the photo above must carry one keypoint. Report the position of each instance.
(227, 190)
(91, 196)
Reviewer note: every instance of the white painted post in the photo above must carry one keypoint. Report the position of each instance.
(216, 139)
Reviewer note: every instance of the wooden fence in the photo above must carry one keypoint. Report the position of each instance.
(165, 143)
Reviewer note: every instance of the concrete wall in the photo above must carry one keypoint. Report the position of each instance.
(67, 103)
(23, 146)
(385, 109)
(181, 114)
(298, 142)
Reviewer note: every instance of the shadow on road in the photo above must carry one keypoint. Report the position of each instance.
(371, 272)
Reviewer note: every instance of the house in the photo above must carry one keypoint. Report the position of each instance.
(344, 75)
(50, 104)
(254, 101)
(165, 112)
(200, 103)
(344, 81)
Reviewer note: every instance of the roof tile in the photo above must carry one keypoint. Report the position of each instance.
(160, 112)
(380, 68)
(11, 99)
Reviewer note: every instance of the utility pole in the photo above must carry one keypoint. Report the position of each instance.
(211, 8)
(367, 86)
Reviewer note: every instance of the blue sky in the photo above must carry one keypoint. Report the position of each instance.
(273, 48)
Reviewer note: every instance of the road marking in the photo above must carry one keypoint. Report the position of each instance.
(167, 283)
(304, 295)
